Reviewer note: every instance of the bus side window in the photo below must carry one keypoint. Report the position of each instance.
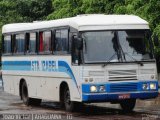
(61, 41)
(45, 42)
(19, 46)
(30, 43)
(7, 44)
(75, 51)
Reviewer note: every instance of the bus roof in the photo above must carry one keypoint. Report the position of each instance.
(83, 23)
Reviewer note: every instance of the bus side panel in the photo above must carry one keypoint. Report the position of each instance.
(76, 89)
(32, 83)
(43, 81)
(8, 84)
(11, 84)
(47, 88)
(75, 92)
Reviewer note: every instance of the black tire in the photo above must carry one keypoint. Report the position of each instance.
(128, 105)
(26, 100)
(24, 92)
(69, 105)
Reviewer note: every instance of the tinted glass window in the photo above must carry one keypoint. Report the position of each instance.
(19, 44)
(116, 46)
(45, 41)
(7, 44)
(32, 42)
(135, 44)
(100, 46)
(61, 40)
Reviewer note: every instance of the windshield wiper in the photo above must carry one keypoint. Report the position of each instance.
(120, 48)
(116, 47)
(109, 59)
(139, 62)
(125, 53)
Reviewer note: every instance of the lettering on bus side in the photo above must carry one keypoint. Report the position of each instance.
(35, 66)
(48, 65)
(43, 66)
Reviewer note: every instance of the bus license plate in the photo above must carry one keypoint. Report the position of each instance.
(124, 96)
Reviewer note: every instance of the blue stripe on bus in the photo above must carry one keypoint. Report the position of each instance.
(26, 66)
(18, 63)
(68, 70)
(15, 67)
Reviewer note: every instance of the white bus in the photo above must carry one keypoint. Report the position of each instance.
(83, 59)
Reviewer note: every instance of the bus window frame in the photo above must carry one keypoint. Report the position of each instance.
(3, 47)
(62, 52)
(53, 42)
(30, 53)
(53, 39)
(13, 38)
(15, 42)
(44, 52)
(81, 57)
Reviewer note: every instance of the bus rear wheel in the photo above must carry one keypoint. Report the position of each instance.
(24, 92)
(26, 100)
(128, 105)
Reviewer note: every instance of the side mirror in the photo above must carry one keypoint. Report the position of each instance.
(78, 42)
(156, 41)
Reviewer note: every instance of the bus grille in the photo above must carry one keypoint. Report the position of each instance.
(122, 75)
(125, 87)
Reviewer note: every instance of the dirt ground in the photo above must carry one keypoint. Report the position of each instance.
(11, 107)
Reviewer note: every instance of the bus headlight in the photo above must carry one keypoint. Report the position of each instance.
(93, 88)
(152, 86)
(145, 86)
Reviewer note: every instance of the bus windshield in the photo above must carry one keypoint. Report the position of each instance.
(117, 46)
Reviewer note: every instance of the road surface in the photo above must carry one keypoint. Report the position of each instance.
(144, 110)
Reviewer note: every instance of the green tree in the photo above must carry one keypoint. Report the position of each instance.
(65, 8)
(32, 10)
(15, 11)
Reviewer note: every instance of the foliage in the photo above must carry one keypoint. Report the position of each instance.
(14, 11)
(30, 10)
(65, 8)
(146, 9)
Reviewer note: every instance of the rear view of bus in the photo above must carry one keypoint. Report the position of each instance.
(109, 58)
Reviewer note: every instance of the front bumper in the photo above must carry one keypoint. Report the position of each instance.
(115, 90)
(112, 97)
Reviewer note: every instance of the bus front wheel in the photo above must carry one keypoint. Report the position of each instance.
(26, 100)
(128, 105)
(69, 105)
